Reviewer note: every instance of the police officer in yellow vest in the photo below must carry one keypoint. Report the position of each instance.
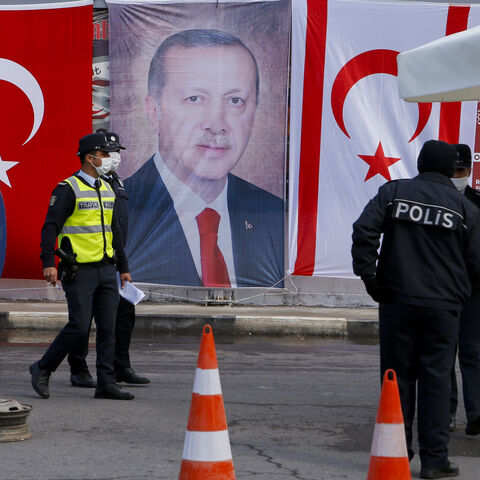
(82, 215)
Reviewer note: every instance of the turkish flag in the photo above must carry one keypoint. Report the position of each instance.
(349, 131)
(46, 98)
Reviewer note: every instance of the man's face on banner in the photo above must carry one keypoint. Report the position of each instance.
(206, 110)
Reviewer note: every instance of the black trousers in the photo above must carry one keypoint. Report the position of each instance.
(469, 359)
(419, 344)
(93, 289)
(125, 321)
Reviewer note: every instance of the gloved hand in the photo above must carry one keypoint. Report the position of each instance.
(372, 287)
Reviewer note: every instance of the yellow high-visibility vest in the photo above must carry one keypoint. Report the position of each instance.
(89, 227)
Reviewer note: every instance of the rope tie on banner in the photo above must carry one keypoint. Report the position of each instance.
(287, 290)
(58, 287)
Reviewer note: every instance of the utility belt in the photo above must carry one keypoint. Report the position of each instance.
(104, 261)
(68, 266)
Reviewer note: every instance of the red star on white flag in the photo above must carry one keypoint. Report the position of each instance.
(379, 163)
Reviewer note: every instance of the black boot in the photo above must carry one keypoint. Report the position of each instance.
(82, 379)
(40, 379)
(449, 469)
(112, 392)
(473, 426)
(128, 375)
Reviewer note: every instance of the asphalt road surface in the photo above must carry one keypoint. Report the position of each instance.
(297, 408)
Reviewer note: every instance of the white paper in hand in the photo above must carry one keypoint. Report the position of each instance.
(129, 292)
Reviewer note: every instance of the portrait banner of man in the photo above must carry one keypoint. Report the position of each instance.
(199, 98)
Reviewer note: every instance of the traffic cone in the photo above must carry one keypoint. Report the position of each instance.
(389, 458)
(206, 452)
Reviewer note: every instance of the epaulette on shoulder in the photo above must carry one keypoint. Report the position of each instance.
(393, 182)
(63, 182)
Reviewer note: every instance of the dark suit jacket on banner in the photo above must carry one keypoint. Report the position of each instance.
(158, 250)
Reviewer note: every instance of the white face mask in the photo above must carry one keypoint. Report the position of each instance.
(105, 167)
(115, 156)
(460, 183)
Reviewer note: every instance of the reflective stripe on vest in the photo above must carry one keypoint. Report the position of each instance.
(84, 226)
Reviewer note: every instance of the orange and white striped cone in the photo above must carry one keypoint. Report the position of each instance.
(389, 457)
(206, 453)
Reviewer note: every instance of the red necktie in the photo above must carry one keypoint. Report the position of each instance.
(214, 269)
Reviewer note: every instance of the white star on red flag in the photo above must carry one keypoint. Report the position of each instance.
(4, 166)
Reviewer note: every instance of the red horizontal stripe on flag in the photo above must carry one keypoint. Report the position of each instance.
(207, 414)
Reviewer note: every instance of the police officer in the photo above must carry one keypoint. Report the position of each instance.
(430, 244)
(82, 215)
(469, 336)
(125, 321)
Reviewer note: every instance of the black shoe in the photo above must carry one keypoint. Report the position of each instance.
(113, 392)
(40, 379)
(447, 470)
(453, 422)
(473, 426)
(128, 375)
(82, 379)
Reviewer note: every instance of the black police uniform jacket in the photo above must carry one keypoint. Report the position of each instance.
(121, 206)
(431, 237)
(473, 195)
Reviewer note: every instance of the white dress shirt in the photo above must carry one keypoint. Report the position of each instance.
(188, 205)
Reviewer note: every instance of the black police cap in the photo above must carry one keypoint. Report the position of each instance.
(112, 138)
(107, 142)
(464, 159)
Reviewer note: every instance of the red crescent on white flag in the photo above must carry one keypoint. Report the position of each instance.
(361, 66)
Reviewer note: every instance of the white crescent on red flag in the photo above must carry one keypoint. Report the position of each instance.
(350, 132)
(45, 93)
